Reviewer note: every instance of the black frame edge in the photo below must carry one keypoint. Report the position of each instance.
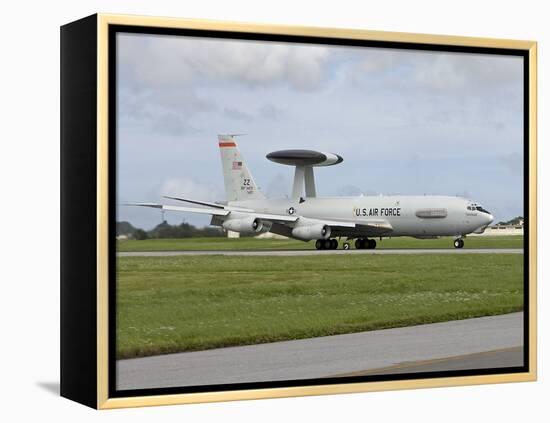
(78, 113)
(114, 29)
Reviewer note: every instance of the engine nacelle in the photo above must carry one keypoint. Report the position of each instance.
(308, 231)
(246, 225)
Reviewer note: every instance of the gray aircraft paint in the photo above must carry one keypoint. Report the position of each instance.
(459, 220)
(239, 183)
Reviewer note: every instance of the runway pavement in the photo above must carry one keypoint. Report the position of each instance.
(320, 252)
(485, 342)
(506, 357)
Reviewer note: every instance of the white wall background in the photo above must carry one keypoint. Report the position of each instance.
(29, 167)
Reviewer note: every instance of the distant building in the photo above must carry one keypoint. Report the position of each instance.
(512, 227)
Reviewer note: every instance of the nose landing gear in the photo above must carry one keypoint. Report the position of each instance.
(458, 243)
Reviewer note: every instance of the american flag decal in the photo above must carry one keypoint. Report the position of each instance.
(237, 165)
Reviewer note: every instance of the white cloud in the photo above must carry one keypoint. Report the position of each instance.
(269, 111)
(165, 80)
(446, 72)
(234, 113)
(170, 123)
(189, 188)
(168, 61)
(513, 162)
(442, 72)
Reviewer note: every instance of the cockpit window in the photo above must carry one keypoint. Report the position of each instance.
(482, 210)
(477, 207)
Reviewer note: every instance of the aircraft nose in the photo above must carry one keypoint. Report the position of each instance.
(490, 219)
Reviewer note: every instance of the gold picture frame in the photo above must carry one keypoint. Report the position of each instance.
(94, 391)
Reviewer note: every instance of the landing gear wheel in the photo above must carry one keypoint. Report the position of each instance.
(319, 244)
(459, 243)
(327, 244)
(363, 243)
(333, 244)
(346, 246)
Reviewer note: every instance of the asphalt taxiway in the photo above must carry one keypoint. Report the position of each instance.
(485, 342)
(320, 252)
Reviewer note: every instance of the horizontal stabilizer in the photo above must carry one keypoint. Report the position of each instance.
(202, 203)
(211, 211)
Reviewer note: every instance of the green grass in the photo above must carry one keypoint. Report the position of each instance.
(172, 304)
(513, 241)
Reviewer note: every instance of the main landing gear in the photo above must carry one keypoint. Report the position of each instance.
(332, 244)
(459, 243)
(326, 244)
(363, 243)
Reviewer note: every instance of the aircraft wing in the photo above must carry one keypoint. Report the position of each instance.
(210, 204)
(284, 223)
(210, 211)
(278, 218)
(363, 229)
(202, 203)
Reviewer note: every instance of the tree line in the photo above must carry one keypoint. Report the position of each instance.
(165, 230)
(512, 222)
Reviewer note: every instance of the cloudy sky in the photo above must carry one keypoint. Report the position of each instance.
(406, 122)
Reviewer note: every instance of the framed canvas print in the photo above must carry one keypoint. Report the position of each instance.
(257, 211)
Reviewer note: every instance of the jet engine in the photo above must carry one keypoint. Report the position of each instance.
(311, 230)
(246, 225)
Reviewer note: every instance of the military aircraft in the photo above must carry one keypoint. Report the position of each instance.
(306, 217)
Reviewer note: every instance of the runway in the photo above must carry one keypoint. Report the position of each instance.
(485, 342)
(320, 252)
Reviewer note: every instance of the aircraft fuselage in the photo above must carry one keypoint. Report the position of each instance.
(420, 216)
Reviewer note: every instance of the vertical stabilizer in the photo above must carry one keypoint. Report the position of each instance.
(239, 184)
